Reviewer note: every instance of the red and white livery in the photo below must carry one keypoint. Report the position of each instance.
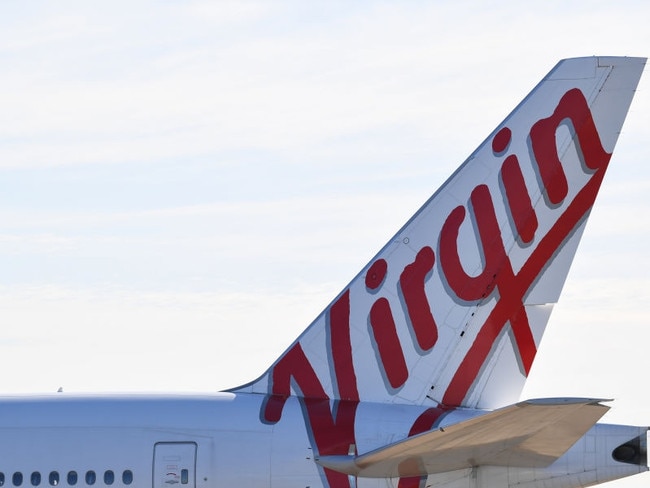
(412, 375)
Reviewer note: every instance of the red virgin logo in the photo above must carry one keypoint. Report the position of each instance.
(332, 426)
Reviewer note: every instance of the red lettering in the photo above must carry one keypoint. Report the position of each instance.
(466, 287)
(388, 345)
(294, 364)
(519, 204)
(412, 281)
(501, 140)
(574, 107)
(339, 323)
(376, 274)
(331, 424)
(384, 330)
(497, 272)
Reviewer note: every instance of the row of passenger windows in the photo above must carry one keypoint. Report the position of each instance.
(72, 478)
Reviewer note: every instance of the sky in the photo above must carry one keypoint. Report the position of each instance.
(184, 186)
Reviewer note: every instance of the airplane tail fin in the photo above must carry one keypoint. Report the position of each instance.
(452, 310)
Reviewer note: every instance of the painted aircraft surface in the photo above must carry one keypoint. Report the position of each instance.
(411, 376)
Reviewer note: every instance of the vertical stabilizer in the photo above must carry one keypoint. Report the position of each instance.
(451, 311)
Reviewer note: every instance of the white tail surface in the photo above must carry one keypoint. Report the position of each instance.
(452, 310)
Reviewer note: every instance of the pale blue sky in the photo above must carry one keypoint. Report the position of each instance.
(185, 185)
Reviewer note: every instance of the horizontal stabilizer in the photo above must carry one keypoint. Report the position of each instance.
(532, 433)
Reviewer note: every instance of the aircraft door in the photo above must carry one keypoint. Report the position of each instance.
(174, 463)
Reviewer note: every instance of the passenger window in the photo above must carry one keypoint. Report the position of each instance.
(91, 477)
(2, 479)
(72, 478)
(54, 478)
(17, 478)
(185, 476)
(109, 477)
(127, 477)
(35, 478)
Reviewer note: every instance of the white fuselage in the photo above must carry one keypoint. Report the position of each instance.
(219, 440)
(155, 440)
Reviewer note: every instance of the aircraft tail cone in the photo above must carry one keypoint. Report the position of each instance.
(634, 451)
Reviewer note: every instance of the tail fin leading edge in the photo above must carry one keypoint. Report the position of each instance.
(451, 311)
